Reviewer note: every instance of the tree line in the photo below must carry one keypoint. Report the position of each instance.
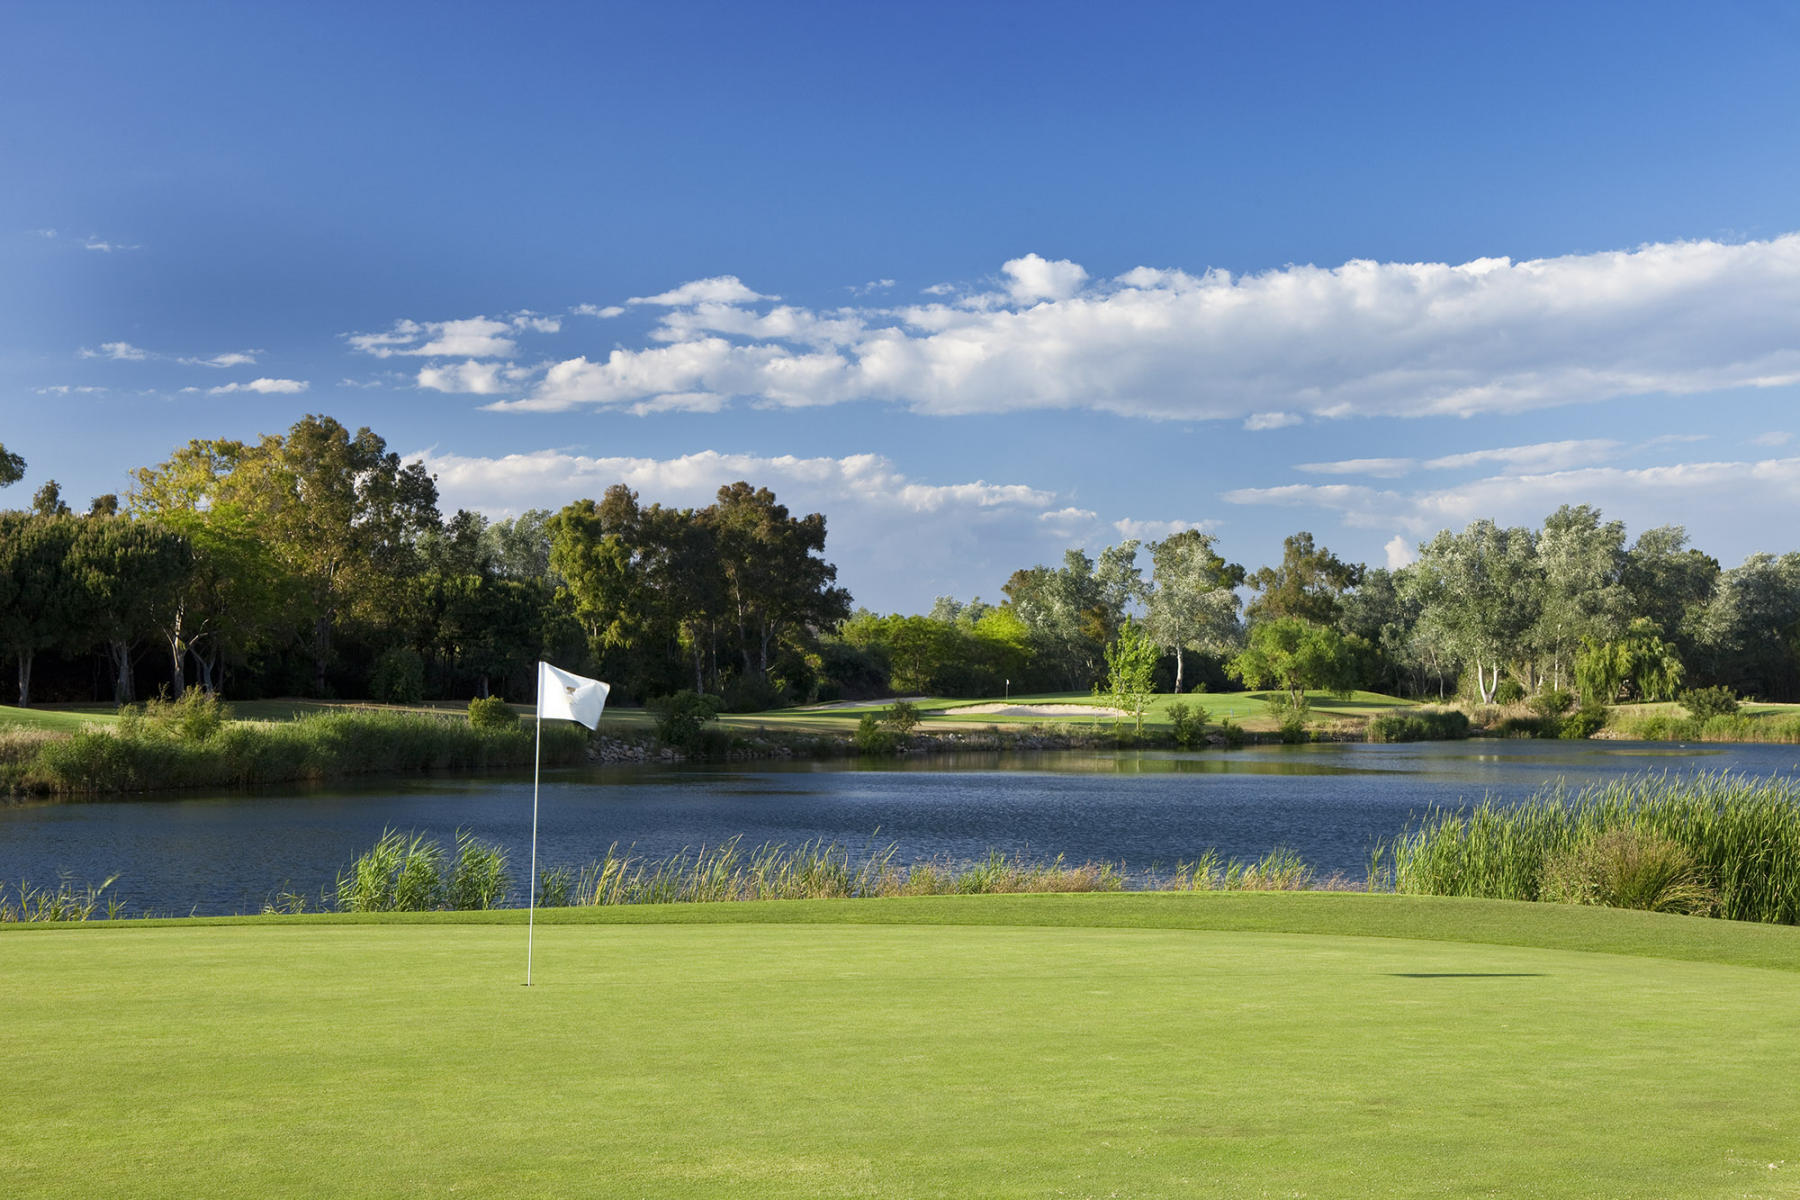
(315, 562)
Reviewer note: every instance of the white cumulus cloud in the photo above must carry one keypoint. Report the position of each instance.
(1268, 349)
(120, 351)
(266, 387)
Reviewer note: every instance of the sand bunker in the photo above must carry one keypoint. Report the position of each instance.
(1038, 710)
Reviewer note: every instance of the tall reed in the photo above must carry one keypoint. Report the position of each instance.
(65, 902)
(1743, 835)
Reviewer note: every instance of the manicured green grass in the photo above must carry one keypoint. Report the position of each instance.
(1220, 1044)
(1246, 708)
(66, 719)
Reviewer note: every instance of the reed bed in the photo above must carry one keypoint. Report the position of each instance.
(828, 870)
(150, 755)
(65, 902)
(1740, 837)
(1721, 727)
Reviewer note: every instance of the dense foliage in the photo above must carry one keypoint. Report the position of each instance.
(316, 562)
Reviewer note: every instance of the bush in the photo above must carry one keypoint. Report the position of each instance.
(1625, 867)
(491, 712)
(752, 695)
(903, 717)
(1527, 727)
(1420, 725)
(1188, 724)
(1294, 730)
(1584, 722)
(195, 717)
(1551, 702)
(398, 677)
(1705, 703)
(1232, 732)
(873, 736)
(1510, 691)
(681, 716)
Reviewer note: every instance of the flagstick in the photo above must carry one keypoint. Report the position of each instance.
(537, 756)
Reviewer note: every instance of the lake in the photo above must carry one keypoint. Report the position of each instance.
(1148, 811)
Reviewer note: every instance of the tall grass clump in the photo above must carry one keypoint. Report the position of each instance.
(1280, 870)
(65, 902)
(410, 873)
(1419, 725)
(198, 746)
(815, 870)
(1740, 838)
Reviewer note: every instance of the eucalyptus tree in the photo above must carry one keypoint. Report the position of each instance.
(1309, 583)
(1479, 594)
(343, 514)
(37, 609)
(235, 593)
(1583, 596)
(12, 467)
(1191, 602)
(1073, 611)
(1750, 630)
(120, 571)
(777, 582)
(1671, 583)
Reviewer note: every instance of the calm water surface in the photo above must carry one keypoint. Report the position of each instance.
(1148, 811)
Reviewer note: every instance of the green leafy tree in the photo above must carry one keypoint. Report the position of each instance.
(1295, 655)
(1130, 672)
(123, 570)
(777, 582)
(12, 467)
(1073, 611)
(1479, 592)
(48, 501)
(1641, 659)
(1583, 599)
(1309, 583)
(1192, 600)
(37, 609)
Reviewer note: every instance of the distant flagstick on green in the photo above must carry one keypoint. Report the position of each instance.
(572, 698)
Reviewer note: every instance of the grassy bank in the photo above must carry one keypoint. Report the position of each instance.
(1769, 723)
(143, 755)
(1227, 1044)
(1713, 844)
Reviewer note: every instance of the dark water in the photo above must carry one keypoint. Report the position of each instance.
(1331, 803)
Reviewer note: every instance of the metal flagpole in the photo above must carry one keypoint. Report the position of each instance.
(537, 756)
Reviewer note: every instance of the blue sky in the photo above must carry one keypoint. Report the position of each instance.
(977, 281)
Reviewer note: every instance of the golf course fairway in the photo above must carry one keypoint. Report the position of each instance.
(1137, 1046)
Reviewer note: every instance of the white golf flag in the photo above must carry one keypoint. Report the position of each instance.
(572, 697)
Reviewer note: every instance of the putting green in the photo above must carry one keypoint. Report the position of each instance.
(813, 1058)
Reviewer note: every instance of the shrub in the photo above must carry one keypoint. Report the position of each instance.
(398, 677)
(752, 695)
(1584, 722)
(681, 716)
(1188, 724)
(903, 716)
(1527, 727)
(1626, 867)
(1419, 725)
(193, 718)
(1551, 702)
(1232, 732)
(491, 712)
(1294, 730)
(873, 736)
(1705, 703)
(1510, 691)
